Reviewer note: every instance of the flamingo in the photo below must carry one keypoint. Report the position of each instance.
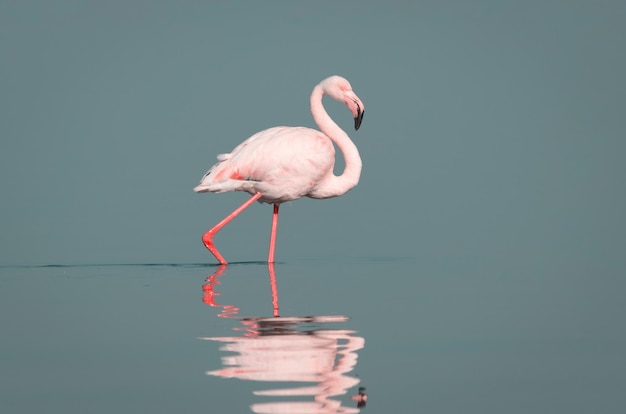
(286, 163)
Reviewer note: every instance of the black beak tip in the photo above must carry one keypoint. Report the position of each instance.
(357, 120)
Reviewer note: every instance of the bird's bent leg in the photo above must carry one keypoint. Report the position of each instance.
(270, 256)
(207, 238)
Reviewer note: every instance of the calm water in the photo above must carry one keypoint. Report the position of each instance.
(418, 337)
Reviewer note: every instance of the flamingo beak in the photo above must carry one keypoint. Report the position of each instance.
(359, 117)
(356, 107)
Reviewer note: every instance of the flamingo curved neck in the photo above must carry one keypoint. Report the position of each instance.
(333, 185)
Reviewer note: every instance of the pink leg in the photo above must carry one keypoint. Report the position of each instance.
(270, 256)
(207, 238)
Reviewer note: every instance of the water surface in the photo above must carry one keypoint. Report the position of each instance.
(193, 338)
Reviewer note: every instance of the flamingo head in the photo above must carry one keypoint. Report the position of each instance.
(340, 90)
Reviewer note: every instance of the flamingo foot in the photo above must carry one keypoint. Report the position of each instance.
(207, 240)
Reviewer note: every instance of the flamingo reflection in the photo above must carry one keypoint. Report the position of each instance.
(284, 349)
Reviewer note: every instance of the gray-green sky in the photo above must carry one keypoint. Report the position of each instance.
(493, 129)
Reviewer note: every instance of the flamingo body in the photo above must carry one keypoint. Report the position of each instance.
(281, 163)
(286, 163)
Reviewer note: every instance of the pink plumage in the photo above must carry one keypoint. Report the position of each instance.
(285, 163)
(281, 163)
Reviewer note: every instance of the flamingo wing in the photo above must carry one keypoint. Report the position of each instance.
(282, 163)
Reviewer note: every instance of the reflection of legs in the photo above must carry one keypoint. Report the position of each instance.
(270, 256)
(270, 268)
(208, 288)
(210, 292)
(207, 238)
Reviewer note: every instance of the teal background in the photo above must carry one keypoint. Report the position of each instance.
(481, 257)
(493, 129)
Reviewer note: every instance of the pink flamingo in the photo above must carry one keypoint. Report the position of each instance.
(285, 163)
